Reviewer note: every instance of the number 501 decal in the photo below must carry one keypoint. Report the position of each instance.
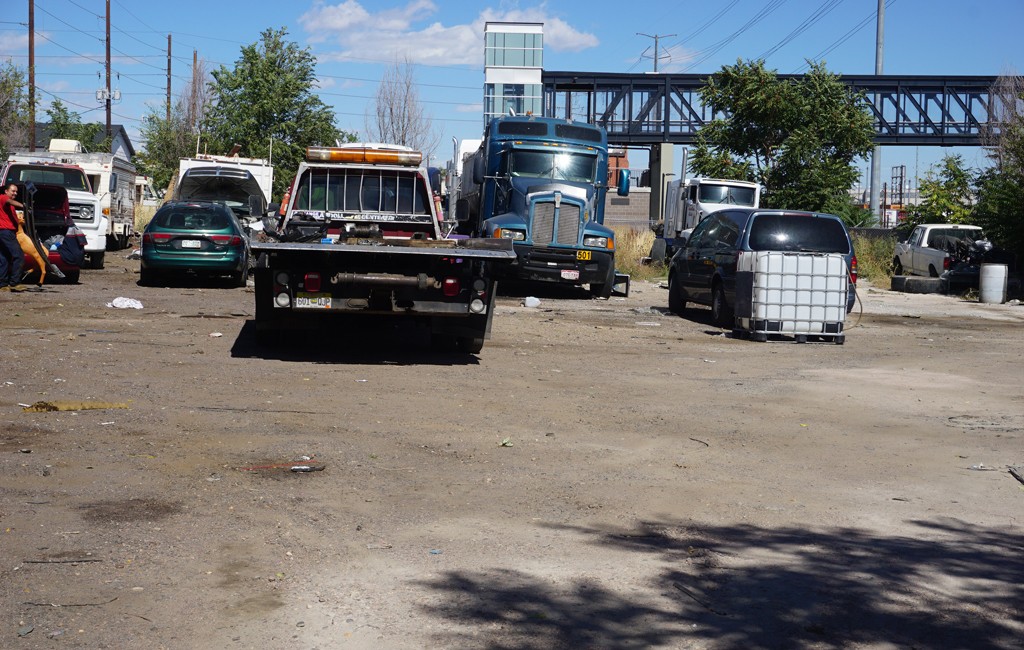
(583, 255)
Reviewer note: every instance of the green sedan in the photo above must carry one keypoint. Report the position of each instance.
(187, 238)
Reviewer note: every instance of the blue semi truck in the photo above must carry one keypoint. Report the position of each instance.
(541, 183)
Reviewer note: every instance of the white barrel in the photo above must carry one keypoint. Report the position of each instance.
(992, 283)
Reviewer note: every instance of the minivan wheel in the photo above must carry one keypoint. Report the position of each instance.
(676, 304)
(720, 312)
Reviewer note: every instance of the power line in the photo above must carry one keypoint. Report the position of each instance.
(807, 23)
(717, 47)
(845, 37)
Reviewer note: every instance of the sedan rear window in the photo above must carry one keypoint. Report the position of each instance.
(191, 220)
(794, 232)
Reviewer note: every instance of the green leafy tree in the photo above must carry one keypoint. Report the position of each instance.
(800, 138)
(66, 124)
(168, 139)
(14, 109)
(269, 97)
(946, 194)
(1000, 190)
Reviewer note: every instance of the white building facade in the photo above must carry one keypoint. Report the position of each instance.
(513, 63)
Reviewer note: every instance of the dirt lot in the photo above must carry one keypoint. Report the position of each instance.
(602, 475)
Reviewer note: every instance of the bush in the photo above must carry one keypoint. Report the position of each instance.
(631, 246)
(874, 256)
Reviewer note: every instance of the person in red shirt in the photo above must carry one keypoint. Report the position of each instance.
(11, 256)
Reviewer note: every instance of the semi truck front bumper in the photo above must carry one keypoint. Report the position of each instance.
(565, 265)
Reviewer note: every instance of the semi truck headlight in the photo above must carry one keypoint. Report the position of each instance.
(506, 233)
(596, 242)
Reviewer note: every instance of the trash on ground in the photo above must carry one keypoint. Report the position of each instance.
(124, 303)
(507, 442)
(215, 335)
(301, 464)
(377, 546)
(134, 255)
(530, 301)
(982, 467)
(86, 405)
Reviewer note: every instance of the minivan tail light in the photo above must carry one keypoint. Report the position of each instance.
(853, 269)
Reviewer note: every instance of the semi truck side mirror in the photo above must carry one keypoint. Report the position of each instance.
(478, 170)
(623, 185)
(113, 183)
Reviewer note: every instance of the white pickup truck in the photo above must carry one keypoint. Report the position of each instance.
(932, 248)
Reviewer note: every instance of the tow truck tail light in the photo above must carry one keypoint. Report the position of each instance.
(853, 269)
(312, 282)
(451, 287)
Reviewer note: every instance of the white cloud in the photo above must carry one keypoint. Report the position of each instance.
(469, 108)
(402, 33)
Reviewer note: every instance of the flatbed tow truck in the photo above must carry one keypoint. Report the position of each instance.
(360, 237)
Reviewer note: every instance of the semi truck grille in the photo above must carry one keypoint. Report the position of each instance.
(563, 229)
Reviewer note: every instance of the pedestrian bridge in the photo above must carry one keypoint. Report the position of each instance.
(647, 109)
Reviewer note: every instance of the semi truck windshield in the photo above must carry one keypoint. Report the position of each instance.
(580, 168)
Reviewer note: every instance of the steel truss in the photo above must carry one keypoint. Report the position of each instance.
(644, 109)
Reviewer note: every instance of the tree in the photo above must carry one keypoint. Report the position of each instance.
(165, 142)
(799, 138)
(267, 101)
(65, 124)
(946, 194)
(14, 113)
(400, 118)
(1000, 190)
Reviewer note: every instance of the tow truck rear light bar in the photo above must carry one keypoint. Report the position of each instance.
(365, 155)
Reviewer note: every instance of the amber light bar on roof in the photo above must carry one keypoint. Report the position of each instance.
(365, 155)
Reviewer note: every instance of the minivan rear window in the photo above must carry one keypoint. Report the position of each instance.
(795, 232)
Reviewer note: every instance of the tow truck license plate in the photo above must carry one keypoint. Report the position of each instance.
(191, 243)
(570, 274)
(312, 301)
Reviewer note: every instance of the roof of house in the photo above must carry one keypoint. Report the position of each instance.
(43, 138)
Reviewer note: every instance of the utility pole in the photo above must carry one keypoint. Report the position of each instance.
(876, 153)
(109, 133)
(31, 75)
(168, 78)
(656, 37)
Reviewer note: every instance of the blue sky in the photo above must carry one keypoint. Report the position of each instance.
(355, 40)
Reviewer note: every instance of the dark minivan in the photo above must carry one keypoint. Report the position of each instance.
(704, 269)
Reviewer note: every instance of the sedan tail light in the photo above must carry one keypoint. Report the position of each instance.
(156, 238)
(230, 240)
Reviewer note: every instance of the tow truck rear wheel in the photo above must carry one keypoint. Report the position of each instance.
(470, 344)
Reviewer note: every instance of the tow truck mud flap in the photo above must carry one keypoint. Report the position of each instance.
(620, 287)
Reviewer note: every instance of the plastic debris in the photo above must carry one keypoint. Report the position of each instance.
(530, 301)
(436, 551)
(134, 255)
(215, 335)
(507, 442)
(124, 303)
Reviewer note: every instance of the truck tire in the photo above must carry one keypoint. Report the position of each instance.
(96, 260)
(932, 272)
(603, 290)
(470, 344)
(897, 266)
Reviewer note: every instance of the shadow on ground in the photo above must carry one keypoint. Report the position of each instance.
(949, 585)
